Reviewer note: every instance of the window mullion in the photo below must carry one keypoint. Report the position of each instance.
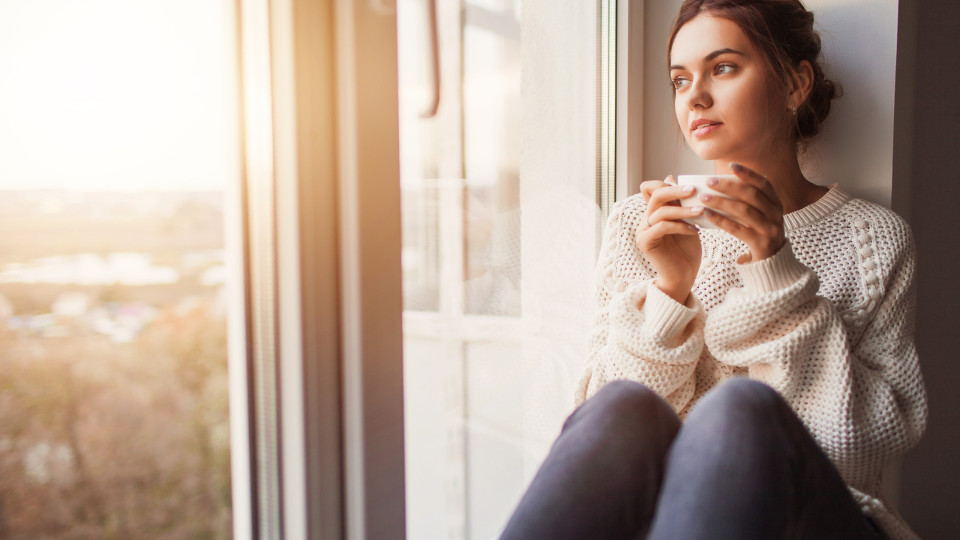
(370, 289)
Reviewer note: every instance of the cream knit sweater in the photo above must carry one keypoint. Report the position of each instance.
(828, 321)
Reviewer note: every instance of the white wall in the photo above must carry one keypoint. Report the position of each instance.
(860, 46)
(856, 147)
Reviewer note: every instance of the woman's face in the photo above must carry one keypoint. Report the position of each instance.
(726, 103)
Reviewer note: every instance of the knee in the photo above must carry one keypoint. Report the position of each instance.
(628, 408)
(743, 404)
(741, 393)
(741, 424)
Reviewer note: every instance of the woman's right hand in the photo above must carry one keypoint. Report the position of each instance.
(671, 246)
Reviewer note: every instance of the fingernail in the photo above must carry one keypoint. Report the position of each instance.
(696, 210)
(736, 167)
(687, 189)
(693, 227)
(712, 181)
(706, 197)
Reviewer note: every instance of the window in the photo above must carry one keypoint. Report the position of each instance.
(503, 190)
(117, 123)
(265, 232)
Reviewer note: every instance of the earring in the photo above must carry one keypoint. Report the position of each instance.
(793, 108)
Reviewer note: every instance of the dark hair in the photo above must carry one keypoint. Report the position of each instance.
(783, 31)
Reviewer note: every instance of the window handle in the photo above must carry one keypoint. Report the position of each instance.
(431, 110)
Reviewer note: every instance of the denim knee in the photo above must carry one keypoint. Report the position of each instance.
(603, 473)
(745, 409)
(738, 450)
(629, 410)
(740, 396)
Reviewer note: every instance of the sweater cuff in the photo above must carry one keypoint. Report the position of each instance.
(776, 272)
(664, 316)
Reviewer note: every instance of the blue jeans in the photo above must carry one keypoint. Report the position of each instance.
(742, 466)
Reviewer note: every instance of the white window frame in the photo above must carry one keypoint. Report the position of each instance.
(629, 108)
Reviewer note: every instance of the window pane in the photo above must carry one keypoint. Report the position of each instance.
(494, 335)
(492, 127)
(118, 124)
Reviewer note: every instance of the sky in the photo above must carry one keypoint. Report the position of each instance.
(122, 95)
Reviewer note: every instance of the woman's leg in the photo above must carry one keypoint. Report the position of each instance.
(602, 475)
(744, 466)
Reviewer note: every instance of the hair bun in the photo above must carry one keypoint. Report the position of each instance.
(813, 112)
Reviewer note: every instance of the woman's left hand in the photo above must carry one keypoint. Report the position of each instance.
(755, 212)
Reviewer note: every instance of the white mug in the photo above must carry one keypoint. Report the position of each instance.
(699, 181)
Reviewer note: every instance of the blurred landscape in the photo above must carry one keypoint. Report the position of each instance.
(113, 385)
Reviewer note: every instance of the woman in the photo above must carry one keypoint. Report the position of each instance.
(783, 339)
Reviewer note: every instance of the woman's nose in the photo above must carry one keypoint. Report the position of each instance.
(699, 95)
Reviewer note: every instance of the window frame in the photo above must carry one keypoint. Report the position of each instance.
(316, 357)
(629, 105)
(316, 386)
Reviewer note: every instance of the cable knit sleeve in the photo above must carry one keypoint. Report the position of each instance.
(860, 394)
(640, 333)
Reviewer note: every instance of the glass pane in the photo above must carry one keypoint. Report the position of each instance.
(491, 116)
(117, 121)
(423, 142)
(494, 434)
(420, 253)
(494, 335)
(432, 427)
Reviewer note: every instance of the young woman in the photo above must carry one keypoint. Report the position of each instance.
(749, 381)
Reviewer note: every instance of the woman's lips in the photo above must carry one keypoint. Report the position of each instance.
(705, 129)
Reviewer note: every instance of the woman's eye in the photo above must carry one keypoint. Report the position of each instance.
(722, 69)
(680, 82)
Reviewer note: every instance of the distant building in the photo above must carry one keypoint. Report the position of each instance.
(71, 304)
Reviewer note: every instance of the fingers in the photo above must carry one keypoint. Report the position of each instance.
(673, 213)
(668, 194)
(740, 212)
(647, 188)
(666, 220)
(762, 242)
(751, 200)
(725, 223)
(751, 178)
(751, 210)
(647, 237)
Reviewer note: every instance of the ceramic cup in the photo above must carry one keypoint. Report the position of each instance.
(699, 181)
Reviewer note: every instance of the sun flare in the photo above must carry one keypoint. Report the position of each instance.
(117, 95)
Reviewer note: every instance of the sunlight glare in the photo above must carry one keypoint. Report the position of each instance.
(117, 94)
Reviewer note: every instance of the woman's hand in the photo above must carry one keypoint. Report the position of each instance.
(671, 246)
(755, 213)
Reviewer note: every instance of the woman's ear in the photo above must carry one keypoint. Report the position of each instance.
(801, 85)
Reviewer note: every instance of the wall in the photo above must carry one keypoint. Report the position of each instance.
(926, 186)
